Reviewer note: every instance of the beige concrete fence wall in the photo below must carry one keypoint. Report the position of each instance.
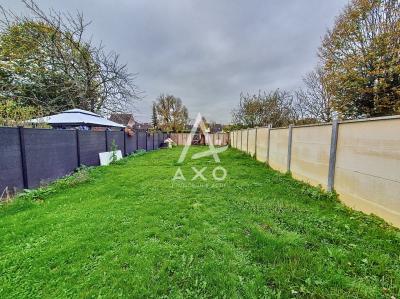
(239, 138)
(367, 172)
(262, 144)
(236, 137)
(251, 142)
(278, 149)
(218, 139)
(310, 154)
(358, 159)
(244, 140)
(179, 138)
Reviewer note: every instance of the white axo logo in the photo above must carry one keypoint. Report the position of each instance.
(218, 173)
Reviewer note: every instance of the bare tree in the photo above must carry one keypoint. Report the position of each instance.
(314, 102)
(83, 74)
(264, 108)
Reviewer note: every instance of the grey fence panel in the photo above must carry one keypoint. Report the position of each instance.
(149, 142)
(156, 143)
(50, 154)
(159, 139)
(142, 139)
(118, 138)
(91, 143)
(11, 175)
(131, 144)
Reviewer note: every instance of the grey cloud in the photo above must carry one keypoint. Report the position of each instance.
(208, 51)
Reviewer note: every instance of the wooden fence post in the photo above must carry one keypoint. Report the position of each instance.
(332, 155)
(289, 157)
(23, 157)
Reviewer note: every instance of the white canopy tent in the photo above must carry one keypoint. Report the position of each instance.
(75, 118)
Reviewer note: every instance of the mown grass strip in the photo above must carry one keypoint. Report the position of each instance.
(128, 230)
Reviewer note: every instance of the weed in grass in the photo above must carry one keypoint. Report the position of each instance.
(114, 149)
(80, 176)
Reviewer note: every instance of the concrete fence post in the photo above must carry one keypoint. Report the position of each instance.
(23, 157)
(255, 145)
(241, 139)
(268, 142)
(332, 155)
(247, 143)
(289, 155)
(236, 139)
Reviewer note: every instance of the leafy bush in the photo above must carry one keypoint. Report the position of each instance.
(13, 114)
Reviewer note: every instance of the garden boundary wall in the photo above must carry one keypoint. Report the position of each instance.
(359, 159)
(218, 139)
(32, 157)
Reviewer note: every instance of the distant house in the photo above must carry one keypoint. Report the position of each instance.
(128, 121)
(125, 119)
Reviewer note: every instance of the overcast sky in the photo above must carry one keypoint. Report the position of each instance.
(207, 51)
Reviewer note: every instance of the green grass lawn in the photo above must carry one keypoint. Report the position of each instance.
(128, 230)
